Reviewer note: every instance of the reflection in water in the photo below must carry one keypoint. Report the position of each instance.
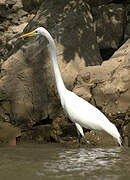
(48, 162)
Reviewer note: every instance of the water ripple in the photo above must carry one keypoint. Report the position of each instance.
(83, 161)
(52, 162)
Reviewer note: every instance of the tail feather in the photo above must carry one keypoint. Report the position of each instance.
(113, 131)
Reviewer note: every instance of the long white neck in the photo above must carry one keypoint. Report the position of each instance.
(59, 81)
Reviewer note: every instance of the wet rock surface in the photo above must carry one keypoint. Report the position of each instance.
(8, 133)
(28, 94)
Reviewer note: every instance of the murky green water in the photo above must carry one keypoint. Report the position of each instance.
(52, 161)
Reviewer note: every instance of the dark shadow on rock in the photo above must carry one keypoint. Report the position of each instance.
(72, 27)
(107, 53)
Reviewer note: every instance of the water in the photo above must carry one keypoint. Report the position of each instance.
(53, 161)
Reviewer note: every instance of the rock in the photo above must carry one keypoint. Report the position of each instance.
(72, 38)
(126, 128)
(28, 93)
(11, 39)
(31, 4)
(116, 87)
(110, 21)
(96, 3)
(38, 134)
(10, 24)
(34, 4)
(109, 86)
(109, 18)
(127, 31)
(28, 83)
(97, 138)
(8, 133)
(109, 81)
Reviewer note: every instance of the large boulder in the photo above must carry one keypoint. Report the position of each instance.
(108, 87)
(27, 83)
(72, 38)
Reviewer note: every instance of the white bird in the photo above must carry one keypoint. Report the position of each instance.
(79, 111)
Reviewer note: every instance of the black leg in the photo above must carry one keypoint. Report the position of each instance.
(80, 132)
(79, 139)
(85, 140)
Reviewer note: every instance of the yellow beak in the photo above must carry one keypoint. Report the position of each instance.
(27, 34)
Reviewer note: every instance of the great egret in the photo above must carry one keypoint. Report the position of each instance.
(79, 111)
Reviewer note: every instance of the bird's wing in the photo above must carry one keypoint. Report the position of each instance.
(80, 111)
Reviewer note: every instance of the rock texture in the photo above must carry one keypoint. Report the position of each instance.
(110, 22)
(8, 133)
(107, 86)
(28, 94)
(31, 5)
(12, 21)
(32, 84)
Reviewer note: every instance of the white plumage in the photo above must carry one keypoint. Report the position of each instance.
(88, 116)
(82, 113)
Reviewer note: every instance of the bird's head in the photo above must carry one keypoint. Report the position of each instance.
(39, 30)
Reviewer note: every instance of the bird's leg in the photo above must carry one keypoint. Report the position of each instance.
(80, 131)
(78, 137)
(85, 140)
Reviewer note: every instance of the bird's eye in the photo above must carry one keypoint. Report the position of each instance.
(36, 31)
